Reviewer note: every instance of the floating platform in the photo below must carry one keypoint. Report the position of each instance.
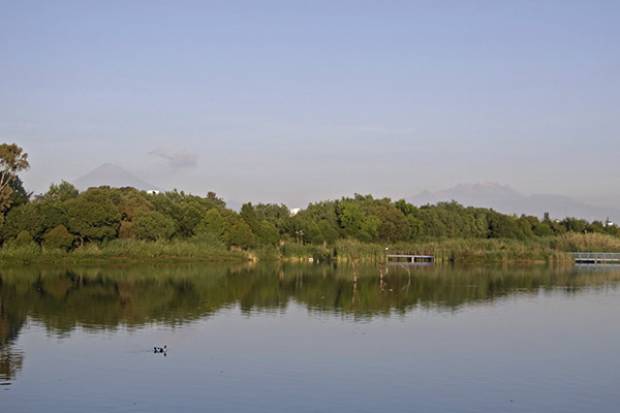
(409, 259)
(595, 258)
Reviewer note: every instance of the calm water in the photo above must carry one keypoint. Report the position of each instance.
(309, 339)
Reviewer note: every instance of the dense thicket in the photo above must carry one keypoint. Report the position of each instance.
(65, 218)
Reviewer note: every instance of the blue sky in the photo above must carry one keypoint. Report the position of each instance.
(295, 101)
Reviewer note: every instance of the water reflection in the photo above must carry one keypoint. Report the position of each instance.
(105, 298)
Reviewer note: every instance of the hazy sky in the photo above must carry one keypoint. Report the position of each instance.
(299, 100)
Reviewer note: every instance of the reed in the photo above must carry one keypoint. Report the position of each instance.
(126, 250)
(543, 249)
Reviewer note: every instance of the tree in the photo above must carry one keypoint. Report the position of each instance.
(574, 224)
(239, 234)
(504, 226)
(13, 159)
(393, 224)
(24, 218)
(23, 239)
(61, 192)
(278, 215)
(153, 226)
(19, 196)
(248, 213)
(132, 203)
(212, 225)
(356, 222)
(542, 229)
(58, 238)
(267, 233)
(93, 216)
(190, 216)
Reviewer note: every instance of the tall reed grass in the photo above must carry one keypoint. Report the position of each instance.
(551, 249)
(126, 249)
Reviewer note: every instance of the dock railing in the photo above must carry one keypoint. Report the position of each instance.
(409, 259)
(596, 257)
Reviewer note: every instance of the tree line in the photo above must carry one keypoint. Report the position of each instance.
(66, 218)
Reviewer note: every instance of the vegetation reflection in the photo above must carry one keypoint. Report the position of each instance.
(106, 298)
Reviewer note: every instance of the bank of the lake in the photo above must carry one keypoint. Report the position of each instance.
(126, 251)
(537, 250)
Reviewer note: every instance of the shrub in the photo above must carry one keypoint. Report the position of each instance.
(153, 226)
(58, 238)
(22, 239)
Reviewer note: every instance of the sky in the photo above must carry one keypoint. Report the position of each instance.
(294, 101)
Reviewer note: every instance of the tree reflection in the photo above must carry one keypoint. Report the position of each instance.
(105, 298)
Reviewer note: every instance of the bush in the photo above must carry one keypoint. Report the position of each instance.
(240, 235)
(153, 226)
(22, 239)
(58, 238)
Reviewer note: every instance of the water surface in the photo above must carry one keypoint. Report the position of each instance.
(309, 339)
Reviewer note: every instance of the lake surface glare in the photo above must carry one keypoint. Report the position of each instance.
(309, 339)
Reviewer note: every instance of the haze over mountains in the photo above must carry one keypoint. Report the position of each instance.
(502, 198)
(505, 199)
(111, 175)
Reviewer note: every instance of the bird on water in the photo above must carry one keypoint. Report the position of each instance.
(157, 349)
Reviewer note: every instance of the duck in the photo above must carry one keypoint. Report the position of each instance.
(157, 349)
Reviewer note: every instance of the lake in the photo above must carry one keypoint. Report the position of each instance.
(312, 338)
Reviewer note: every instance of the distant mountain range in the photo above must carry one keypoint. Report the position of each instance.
(505, 199)
(502, 198)
(111, 175)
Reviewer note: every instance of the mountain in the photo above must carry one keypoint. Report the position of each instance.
(505, 199)
(111, 175)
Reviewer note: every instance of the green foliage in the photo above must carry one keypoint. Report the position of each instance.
(574, 224)
(61, 192)
(132, 203)
(277, 215)
(23, 239)
(265, 232)
(239, 234)
(13, 159)
(212, 225)
(58, 238)
(22, 219)
(356, 222)
(19, 195)
(153, 226)
(93, 216)
(65, 219)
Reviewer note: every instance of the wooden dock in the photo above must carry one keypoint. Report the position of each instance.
(596, 257)
(409, 259)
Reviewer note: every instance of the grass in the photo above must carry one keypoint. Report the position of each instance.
(551, 249)
(126, 250)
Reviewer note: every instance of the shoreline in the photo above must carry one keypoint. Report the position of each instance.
(445, 251)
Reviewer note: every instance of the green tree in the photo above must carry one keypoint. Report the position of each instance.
(61, 192)
(267, 233)
(542, 229)
(393, 224)
(13, 159)
(574, 224)
(58, 238)
(239, 234)
(356, 222)
(153, 226)
(504, 226)
(212, 225)
(93, 216)
(278, 215)
(22, 239)
(19, 196)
